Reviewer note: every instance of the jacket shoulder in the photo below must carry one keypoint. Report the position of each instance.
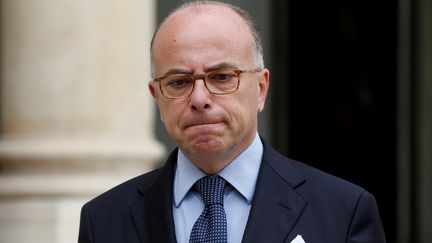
(126, 192)
(308, 179)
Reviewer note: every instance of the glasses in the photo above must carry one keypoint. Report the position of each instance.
(218, 82)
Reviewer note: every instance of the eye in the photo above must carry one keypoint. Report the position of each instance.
(222, 76)
(177, 82)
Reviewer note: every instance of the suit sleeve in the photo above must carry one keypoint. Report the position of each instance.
(366, 226)
(85, 229)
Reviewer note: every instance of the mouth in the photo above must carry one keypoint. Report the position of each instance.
(202, 125)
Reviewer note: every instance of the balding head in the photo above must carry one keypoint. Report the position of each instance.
(190, 11)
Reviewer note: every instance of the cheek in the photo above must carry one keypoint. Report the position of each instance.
(250, 101)
(169, 114)
(245, 110)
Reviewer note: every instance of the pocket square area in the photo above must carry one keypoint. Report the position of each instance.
(298, 239)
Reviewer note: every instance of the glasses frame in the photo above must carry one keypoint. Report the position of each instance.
(204, 78)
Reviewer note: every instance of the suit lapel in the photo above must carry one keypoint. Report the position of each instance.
(276, 205)
(152, 214)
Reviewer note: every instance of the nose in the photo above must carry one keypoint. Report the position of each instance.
(200, 97)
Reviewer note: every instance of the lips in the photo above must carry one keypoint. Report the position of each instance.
(202, 122)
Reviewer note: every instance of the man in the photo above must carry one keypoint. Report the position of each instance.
(223, 183)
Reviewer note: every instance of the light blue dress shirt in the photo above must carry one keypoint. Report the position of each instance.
(241, 173)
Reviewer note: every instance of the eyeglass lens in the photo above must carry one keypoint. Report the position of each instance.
(217, 82)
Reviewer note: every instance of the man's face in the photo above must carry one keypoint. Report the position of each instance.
(207, 126)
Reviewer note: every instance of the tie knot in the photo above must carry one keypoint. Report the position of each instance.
(211, 189)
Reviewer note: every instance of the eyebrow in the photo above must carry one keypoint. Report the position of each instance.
(177, 71)
(221, 65)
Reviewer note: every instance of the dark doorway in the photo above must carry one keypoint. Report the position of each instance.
(335, 104)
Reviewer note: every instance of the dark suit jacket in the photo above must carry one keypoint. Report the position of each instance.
(291, 199)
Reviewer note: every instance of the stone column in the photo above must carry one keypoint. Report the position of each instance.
(76, 116)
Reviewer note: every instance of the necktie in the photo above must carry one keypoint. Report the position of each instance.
(211, 226)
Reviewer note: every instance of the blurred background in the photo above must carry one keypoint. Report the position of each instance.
(351, 94)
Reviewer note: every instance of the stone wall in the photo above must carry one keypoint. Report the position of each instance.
(76, 116)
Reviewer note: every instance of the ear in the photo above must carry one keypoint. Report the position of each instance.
(153, 90)
(263, 84)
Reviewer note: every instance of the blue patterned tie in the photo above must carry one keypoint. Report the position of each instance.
(211, 226)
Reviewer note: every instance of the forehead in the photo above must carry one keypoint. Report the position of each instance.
(199, 32)
(217, 13)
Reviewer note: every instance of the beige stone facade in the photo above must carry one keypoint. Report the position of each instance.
(76, 116)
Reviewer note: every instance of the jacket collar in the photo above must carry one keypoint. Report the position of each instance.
(276, 206)
(152, 214)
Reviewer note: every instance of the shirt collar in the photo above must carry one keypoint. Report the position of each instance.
(241, 173)
(186, 175)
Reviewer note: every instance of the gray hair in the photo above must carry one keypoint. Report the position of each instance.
(257, 50)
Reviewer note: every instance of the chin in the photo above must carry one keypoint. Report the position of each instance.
(205, 143)
(208, 146)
